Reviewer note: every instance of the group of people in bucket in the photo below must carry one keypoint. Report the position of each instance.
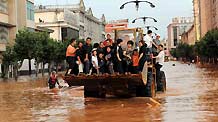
(109, 57)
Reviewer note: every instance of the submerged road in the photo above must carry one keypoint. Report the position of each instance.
(192, 96)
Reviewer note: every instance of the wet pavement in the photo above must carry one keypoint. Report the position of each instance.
(192, 96)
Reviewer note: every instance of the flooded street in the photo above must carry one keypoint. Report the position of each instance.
(192, 96)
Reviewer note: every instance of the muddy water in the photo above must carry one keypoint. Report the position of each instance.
(192, 96)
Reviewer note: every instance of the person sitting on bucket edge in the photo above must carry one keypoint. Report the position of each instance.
(53, 80)
(159, 63)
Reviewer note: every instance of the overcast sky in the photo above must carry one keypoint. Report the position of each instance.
(164, 11)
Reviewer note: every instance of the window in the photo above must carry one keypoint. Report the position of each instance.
(69, 33)
(4, 6)
(81, 17)
(175, 35)
(30, 11)
(3, 34)
(175, 42)
(81, 32)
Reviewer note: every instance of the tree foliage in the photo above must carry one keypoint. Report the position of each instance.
(207, 47)
(35, 45)
(184, 50)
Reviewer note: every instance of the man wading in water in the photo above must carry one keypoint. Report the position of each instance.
(53, 81)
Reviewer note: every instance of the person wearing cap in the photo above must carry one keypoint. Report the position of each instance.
(53, 80)
(108, 41)
(95, 67)
(155, 45)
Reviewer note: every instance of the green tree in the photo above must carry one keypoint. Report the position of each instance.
(24, 47)
(59, 53)
(10, 59)
(207, 47)
(184, 51)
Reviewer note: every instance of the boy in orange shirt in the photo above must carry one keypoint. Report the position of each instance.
(135, 61)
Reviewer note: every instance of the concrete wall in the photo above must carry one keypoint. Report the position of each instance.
(3, 17)
(208, 15)
(196, 19)
(57, 33)
(49, 17)
(21, 14)
(189, 37)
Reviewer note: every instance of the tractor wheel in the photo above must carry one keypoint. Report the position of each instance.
(151, 86)
(163, 81)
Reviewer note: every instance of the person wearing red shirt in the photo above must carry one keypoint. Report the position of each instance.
(108, 41)
(53, 80)
(135, 62)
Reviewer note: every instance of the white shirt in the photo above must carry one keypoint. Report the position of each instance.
(148, 40)
(95, 59)
(160, 58)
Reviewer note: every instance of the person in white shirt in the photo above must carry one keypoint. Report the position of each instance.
(95, 69)
(159, 63)
(148, 40)
(160, 57)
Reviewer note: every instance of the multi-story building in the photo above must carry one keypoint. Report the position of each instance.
(62, 21)
(206, 15)
(14, 15)
(70, 21)
(178, 26)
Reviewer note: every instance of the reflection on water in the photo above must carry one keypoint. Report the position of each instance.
(191, 97)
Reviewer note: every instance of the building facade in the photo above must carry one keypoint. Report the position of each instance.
(196, 11)
(206, 15)
(178, 26)
(189, 37)
(14, 15)
(62, 21)
(70, 21)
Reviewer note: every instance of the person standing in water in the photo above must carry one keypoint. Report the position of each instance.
(53, 81)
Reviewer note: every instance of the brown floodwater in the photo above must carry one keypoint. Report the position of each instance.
(192, 96)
